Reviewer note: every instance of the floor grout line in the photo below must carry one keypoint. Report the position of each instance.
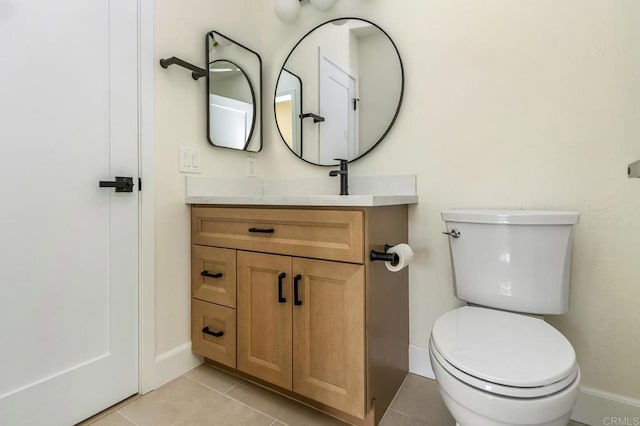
(232, 388)
(390, 407)
(123, 415)
(232, 398)
(400, 412)
(109, 411)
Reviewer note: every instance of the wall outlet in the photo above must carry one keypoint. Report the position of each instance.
(189, 160)
(251, 167)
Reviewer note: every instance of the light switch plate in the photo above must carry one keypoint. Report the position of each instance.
(189, 160)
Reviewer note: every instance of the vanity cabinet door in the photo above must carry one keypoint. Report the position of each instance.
(329, 334)
(264, 317)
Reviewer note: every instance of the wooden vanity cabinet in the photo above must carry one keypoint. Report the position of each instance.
(328, 331)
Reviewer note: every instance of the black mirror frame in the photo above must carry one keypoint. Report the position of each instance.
(256, 105)
(395, 116)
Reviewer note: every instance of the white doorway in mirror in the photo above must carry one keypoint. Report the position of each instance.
(338, 106)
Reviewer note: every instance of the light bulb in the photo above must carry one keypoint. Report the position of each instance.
(322, 4)
(288, 10)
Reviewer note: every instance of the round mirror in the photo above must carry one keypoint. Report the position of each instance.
(339, 91)
(232, 105)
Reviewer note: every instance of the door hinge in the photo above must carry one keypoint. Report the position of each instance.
(139, 184)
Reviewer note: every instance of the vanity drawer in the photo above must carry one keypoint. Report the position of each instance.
(218, 320)
(321, 234)
(213, 275)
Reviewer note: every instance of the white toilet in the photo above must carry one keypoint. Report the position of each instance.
(494, 364)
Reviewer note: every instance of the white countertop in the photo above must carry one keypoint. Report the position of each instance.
(367, 191)
(308, 200)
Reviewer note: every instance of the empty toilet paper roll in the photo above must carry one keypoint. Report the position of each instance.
(405, 256)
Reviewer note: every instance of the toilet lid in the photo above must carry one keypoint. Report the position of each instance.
(503, 348)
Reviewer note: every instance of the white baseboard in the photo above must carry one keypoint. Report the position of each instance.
(174, 363)
(419, 362)
(596, 408)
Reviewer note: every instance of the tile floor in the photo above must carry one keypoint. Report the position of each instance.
(207, 396)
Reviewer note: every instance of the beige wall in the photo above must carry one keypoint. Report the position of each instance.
(522, 104)
(180, 102)
(379, 87)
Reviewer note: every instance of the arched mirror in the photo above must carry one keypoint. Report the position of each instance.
(232, 105)
(234, 78)
(339, 91)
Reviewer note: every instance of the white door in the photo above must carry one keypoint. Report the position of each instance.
(68, 249)
(338, 131)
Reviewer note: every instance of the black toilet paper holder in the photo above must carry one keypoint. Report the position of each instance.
(385, 257)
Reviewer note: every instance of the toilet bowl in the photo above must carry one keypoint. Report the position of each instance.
(496, 368)
(495, 365)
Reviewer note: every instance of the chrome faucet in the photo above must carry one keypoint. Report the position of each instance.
(344, 176)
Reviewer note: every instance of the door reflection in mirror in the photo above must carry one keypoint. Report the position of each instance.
(338, 135)
(353, 77)
(231, 105)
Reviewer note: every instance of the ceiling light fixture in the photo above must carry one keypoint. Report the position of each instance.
(288, 11)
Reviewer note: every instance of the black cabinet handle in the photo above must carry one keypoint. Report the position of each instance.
(262, 231)
(212, 333)
(296, 298)
(210, 275)
(280, 298)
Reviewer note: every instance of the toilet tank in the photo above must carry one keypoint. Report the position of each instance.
(516, 260)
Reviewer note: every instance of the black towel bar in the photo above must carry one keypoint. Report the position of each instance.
(196, 72)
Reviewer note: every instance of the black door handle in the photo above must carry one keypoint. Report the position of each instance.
(121, 184)
(212, 333)
(262, 231)
(296, 298)
(280, 298)
(210, 275)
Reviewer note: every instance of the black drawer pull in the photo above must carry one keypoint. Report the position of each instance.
(296, 298)
(262, 231)
(212, 333)
(280, 298)
(210, 275)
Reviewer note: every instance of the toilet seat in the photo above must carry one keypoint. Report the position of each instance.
(498, 389)
(503, 353)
